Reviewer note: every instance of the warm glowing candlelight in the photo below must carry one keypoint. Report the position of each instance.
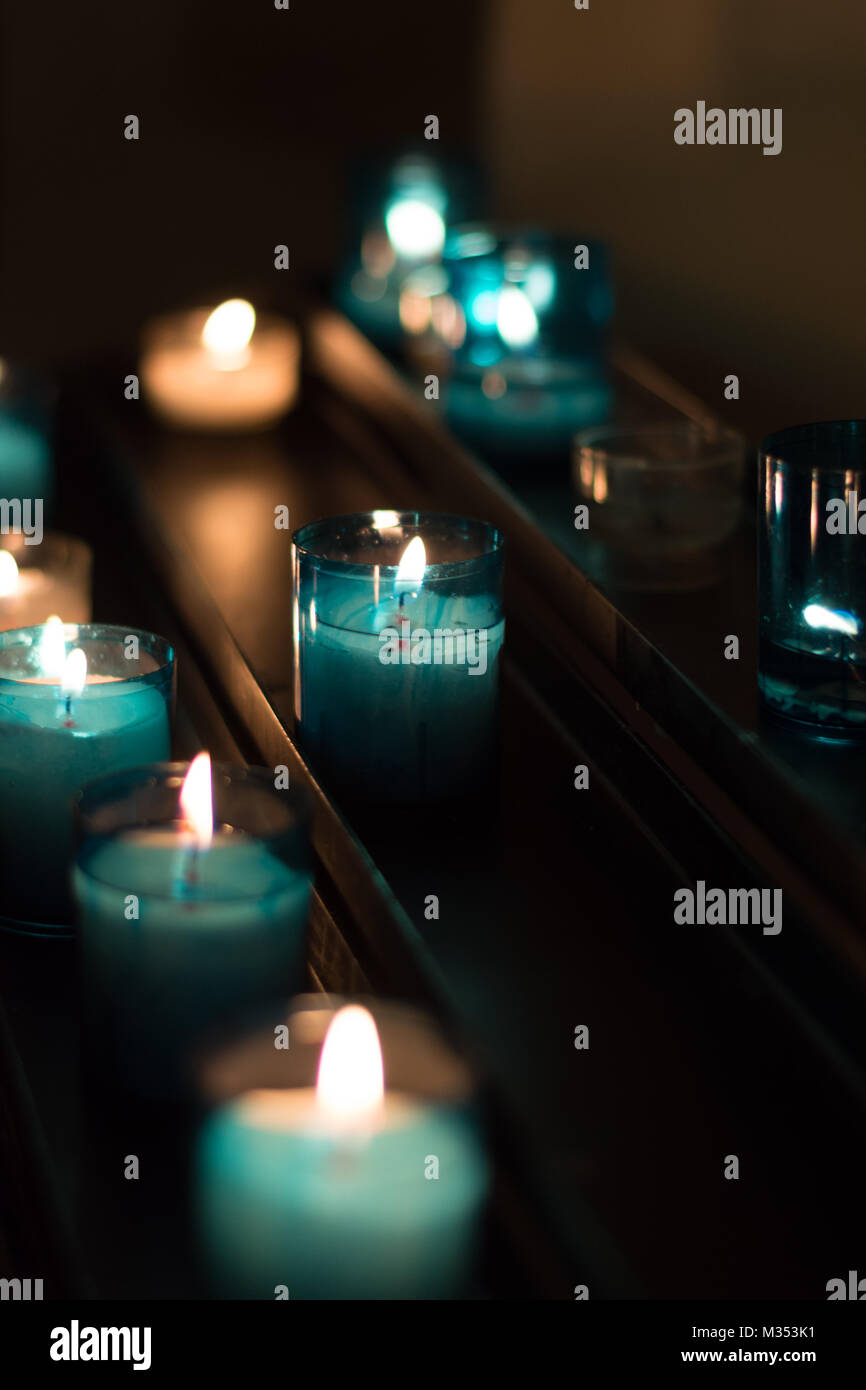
(410, 571)
(52, 648)
(221, 369)
(8, 574)
(350, 1087)
(196, 800)
(51, 576)
(345, 1191)
(74, 677)
(227, 333)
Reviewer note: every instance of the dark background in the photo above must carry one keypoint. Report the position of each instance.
(728, 261)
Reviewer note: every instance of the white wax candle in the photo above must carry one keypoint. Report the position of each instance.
(221, 370)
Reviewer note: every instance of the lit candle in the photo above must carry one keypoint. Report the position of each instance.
(518, 322)
(397, 653)
(347, 1191)
(189, 921)
(41, 580)
(398, 225)
(222, 369)
(75, 702)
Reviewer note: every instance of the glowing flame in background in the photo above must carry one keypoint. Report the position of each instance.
(227, 334)
(52, 648)
(516, 320)
(415, 229)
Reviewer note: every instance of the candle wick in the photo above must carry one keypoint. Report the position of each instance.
(189, 879)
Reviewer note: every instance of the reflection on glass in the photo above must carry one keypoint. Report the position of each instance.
(812, 574)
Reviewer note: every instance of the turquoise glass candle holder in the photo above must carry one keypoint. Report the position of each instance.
(520, 332)
(181, 943)
(812, 576)
(397, 678)
(290, 1205)
(26, 428)
(398, 215)
(61, 726)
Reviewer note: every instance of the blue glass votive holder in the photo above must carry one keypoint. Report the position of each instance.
(76, 701)
(519, 319)
(812, 576)
(398, 631)
(399, 212)
(181, 942)
(26, 428)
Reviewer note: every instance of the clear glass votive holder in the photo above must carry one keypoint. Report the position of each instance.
(518, 320)
(397, 654)
(183, 943)
(812, 576)
(51, 578)
(399, 210)
(664, 498)
(64, 720)
(289, 1199)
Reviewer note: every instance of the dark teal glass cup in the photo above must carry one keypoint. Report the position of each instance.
(398, 632)
(812, 576)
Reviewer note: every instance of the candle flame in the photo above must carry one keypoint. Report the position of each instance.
(196, 799)
(8, 574)
(350, 1087)
(415, 229)
(228, 330)
(52, 648)
(516, 319)
(413, 563)
(74, 677)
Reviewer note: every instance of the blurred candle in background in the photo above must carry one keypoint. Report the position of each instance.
(398, 631)
(397, 221)
(216, 861)
(40, 581)
(26, 456)
(515, 321)
(220, 369)
(76, 701)
(345, 1191)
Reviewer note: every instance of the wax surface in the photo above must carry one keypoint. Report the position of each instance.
(218, 933)
(283, 1203)
(43, 766)
(400, 732)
